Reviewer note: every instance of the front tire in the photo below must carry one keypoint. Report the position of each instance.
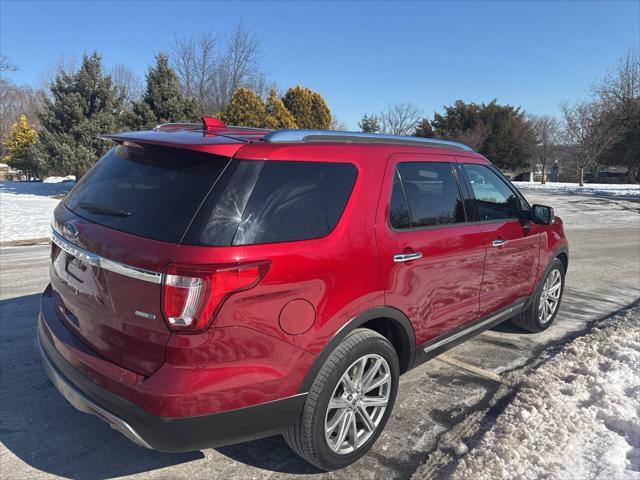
(543, 309)
(349, 402)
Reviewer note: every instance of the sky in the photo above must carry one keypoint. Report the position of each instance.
(361, 56)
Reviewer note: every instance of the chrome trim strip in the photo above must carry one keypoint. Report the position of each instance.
(472, 328)
(356, 137)
(83, 404)
(102, 262)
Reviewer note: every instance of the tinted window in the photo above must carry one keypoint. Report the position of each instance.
(398, 211)
(295, 201)
(152, 192)
(431, 192)
(494, 198)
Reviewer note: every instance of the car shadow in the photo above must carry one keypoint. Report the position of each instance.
(38, 425)
(36, 188)
(42, 429)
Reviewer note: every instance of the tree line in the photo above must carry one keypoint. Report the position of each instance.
(603, 130)
(54, 130)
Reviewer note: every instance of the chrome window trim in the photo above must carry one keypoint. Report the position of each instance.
(102, 262)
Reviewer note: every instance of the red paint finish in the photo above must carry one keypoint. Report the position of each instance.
(297, 317)
(262, 341)
(439, 291)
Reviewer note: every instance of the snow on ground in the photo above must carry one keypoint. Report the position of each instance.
(68, 178)
(26, 208)
(575, 416)
(601, 189)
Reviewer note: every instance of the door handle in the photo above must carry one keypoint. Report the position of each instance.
(406, 257)
(499, 243)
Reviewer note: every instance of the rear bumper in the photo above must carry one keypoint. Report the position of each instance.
(169, 434)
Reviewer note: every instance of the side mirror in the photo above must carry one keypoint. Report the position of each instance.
(542, 214)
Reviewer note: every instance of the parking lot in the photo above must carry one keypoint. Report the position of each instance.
(41, 436)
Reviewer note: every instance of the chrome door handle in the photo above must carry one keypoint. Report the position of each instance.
(406, 257)
(499, 243)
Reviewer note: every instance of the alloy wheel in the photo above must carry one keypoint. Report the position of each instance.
(357, 404)
(550, 296)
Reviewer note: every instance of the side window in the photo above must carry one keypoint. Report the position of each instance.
(494, 198)
(425, 194)
(398, 211)
(295, 201)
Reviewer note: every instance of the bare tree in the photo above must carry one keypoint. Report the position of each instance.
(127, 83)
(196, 63)
(238, 66)
(399, 119)
(14, 101)
(619, 94)
(6, 65)
(546, 129)
(64, 64)
(210, 71)
(587, 133)
(337, 124)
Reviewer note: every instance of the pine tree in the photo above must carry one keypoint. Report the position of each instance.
(163, 100)
(279, 116)
(82, 105)
(369, 124)
(19, 143)
(246, 109)
(308, 108)
(423, 129)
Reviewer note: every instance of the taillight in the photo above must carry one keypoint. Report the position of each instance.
(192, 294)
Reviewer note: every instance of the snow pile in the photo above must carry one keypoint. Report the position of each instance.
(576, 416)
(603, 189)
(68, 178)
(26, 208)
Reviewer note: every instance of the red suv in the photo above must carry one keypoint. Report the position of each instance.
(213, 284)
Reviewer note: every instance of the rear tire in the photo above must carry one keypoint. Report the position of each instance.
(545, 305)
(363, 359)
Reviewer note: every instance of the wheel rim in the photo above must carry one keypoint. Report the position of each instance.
(550, 296)
(357, 404)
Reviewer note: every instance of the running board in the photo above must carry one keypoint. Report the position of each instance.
(438, 345)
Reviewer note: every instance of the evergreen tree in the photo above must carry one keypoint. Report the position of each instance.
(500, 132)
(308, 108)
(22, 137)
(279, 116)
(82, 105)
(423, 129)
(246, 109)
(369, 124)
(163, 100)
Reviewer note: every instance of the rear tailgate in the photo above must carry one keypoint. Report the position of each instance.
(113, 235)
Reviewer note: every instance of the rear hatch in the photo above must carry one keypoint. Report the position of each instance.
(113, 235)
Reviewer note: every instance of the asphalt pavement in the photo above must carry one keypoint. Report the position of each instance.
(42, 436)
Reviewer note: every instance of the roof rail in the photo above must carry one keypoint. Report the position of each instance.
(177, 126)
(286, 136)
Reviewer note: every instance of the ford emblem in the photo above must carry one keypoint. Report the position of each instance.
(70, 230)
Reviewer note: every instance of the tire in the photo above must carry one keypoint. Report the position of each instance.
(361, 350)
(533, 319)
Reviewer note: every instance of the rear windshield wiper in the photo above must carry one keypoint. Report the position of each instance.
(103, 209)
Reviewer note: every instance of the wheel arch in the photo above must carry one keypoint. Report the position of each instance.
(389, 322)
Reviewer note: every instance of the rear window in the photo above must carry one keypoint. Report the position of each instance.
(278, 201)
(152, 192)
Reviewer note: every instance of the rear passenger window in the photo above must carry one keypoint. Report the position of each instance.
(295, 201)
(494, 197)
(425, 194)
